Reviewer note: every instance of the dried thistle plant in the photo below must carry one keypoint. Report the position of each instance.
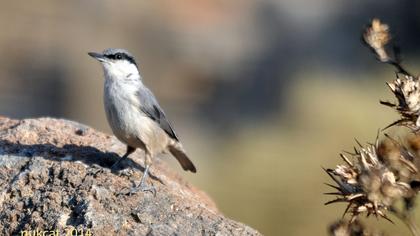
(376, 177)
(405, 88)
(407, 92)
(377, 37)
(368, 183)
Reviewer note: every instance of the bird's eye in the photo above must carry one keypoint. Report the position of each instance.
(118, 56)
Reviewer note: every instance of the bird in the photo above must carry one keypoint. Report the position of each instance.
(134, 114)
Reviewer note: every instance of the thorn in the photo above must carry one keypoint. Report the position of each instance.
(355, 196)
(400, 121)
(377, 139)
(346, 160)
(357, 141)
(346, 210)
(386, 103)
(356, 151)
(349, 153)
(385, 216)
(333, 193)
(334, 201)
(332, 186)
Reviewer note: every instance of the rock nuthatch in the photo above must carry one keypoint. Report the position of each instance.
(134, 114)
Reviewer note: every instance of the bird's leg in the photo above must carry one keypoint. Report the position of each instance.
(142, 185)
(144, 177)
(129, 151)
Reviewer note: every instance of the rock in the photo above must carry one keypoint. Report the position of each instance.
(55, 177)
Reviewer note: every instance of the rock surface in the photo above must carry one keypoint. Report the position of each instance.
(55, 176)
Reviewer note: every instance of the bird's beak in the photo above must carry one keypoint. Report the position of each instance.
(98, 56)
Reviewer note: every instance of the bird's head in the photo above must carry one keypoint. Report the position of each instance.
(117, 63)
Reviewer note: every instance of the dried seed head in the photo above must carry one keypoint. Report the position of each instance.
(377, 37)
(372, 182)
(399, 159)
(407, 91)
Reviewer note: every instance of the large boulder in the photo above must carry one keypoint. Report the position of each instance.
(55, 177)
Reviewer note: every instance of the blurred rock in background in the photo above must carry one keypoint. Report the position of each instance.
(260, 92)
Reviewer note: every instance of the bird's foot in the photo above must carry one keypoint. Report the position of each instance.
(95, 170)
(143, 188)
(139, 188)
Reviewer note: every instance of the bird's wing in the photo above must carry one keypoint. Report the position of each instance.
(151, 108)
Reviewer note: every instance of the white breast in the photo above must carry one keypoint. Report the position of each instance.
(128, 123)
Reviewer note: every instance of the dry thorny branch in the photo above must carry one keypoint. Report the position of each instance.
(376, 177)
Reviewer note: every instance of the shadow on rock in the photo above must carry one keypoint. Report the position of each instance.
(69, 152)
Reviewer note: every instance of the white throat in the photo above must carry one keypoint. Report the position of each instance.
(120, 70)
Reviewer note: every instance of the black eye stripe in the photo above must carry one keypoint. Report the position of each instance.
(118, 56)
(114, 56)
(121, 56)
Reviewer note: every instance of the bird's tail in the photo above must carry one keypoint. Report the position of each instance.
(179, 153)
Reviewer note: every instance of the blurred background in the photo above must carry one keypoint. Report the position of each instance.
(262, 93)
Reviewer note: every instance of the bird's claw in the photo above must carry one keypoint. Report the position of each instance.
(143, 188)
(134, 190)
